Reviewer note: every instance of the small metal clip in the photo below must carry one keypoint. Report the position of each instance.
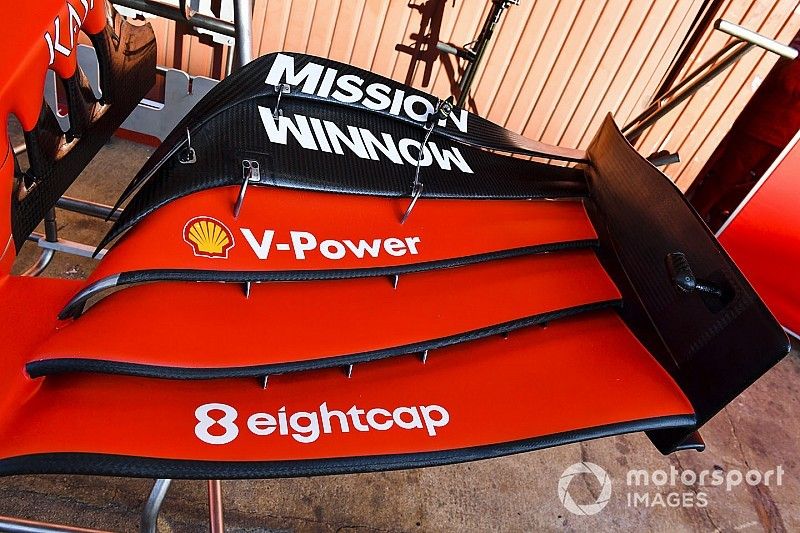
(443, 110)
(348, 371)
(250, 172)
(264, 380)
(281, 89)
(416, 192)
(424, 357)
(188, 156)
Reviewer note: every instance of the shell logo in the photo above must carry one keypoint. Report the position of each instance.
(208, 237)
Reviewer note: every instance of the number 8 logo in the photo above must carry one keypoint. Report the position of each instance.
(206, 422)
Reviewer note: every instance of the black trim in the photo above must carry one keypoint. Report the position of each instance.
(75, 307)
(121, 465)
(49, 367)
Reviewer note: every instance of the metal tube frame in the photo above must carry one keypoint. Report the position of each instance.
(242, 31)
(174, 13)
(464, 86)
(215, 517)
(18, 525)
(88, 208)
(243, 26)
(634, 129)
(744, 41)
(152, 506)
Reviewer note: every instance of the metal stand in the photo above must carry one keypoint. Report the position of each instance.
(744, 41)
(154, 502)
(153, 505)
(474, 54)
(243, 24)
(215, 518)
(149, 521)
(17, 525)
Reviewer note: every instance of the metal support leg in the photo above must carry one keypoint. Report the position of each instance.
(243, 25)
(18, 525)
(229, 60)
(50, 226)
(173, 13)
(45, 256)
(85, 207)
(216, 521)
(153, 505)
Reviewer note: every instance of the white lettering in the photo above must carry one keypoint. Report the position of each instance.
(277, 132)
(395, 247)
(260, 248)
(314, 78)
(282, 70)
(302, 241)
(354, 142)
(363, 246)
(348, 89)
(216, 422)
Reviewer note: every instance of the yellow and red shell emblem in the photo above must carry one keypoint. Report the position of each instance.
(208, 237)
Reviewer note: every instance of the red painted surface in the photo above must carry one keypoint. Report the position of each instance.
(213, 324)
(484, 226)
(577, 373)
(764, 239)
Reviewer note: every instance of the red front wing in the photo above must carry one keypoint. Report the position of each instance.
(315, 333)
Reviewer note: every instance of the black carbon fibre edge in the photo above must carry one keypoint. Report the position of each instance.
(62, 365)
(74, 308)
(148, 467)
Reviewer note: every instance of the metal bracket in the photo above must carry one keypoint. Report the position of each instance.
(442, 111)
(250, 173)
(188, 156)
(281, 89)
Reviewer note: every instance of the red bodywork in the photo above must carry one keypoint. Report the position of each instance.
(580, 373)
(476, 278)
(503, 225)
(41, 38)
(763, 237)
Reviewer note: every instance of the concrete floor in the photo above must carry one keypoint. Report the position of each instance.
(759, 430)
